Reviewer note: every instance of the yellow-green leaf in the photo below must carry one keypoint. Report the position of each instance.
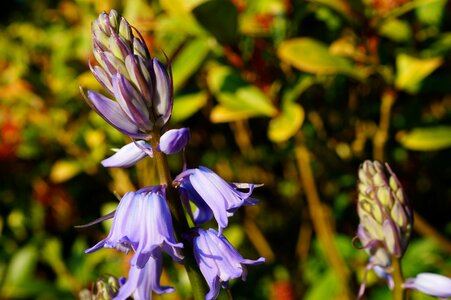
(238, 99)
(287, 124)
(426, 139)
(411, 71)
(63, 170)
(187, 105)
(221, 114)
(189, 60)
(312, 56)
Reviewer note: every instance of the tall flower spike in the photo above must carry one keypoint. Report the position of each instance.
(142, 86)
(385, 214)
(142, 223)
(385, 217)
(213, 194)
(218, 261)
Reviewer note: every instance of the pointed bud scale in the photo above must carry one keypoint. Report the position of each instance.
(125, 31)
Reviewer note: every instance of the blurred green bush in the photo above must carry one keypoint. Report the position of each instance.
(256, 81)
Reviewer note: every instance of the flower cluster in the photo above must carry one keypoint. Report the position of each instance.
(141, 106)
(386, 220)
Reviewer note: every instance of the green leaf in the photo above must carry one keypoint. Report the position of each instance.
(396, 30)
(287, 124)
(238, 99)
(220, 18)
(22, 266)
(326, 287)
(189, 60)
(187, 105)
(340, 6)
(426, 139)
(411, 71)
(220, 114)
(312, 56)
(431, 13)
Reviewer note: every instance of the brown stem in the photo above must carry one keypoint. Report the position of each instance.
(380, 138)
(320, 220)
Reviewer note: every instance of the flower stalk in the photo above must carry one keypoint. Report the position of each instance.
(398, 279)
(198, 285)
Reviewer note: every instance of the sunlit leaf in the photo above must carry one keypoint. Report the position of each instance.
(431, 13)
(189, 60)
(426, 139)
(411, 71)
(396, 30)
(221, 114)
(238, 99)
(63, 170)
(312, 56)
(187, 105)
(286, 124)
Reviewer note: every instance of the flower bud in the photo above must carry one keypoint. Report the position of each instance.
(385, 215)
(142, 86)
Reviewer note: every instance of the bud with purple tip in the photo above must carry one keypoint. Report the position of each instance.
(385, 214)
(141, 86)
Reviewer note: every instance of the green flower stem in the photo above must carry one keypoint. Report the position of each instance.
(398, 279)
(181, 226)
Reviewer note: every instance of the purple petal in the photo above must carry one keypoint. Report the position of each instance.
(102, 77)
(163, 92)
(174, 140)
(111, 112)
(131, 102)
(218, 261)
(139, 79)
(431, 284)
(142, 281)
(128, 155)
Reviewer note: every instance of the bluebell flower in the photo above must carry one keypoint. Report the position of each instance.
(213, 196)
(431, 284)
(142, 223)
(128, 155)
(174, 140)
(218, 261)
(142, 281)
(141, 86)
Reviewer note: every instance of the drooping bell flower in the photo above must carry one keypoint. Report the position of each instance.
(141, 86)
(218, 260)
(430, 284)
(142, 223)
(211, 193)
(143, 281)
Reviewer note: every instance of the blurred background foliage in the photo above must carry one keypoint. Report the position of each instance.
(292, 94)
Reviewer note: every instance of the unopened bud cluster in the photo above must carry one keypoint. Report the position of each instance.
(385, 215)
(141, 85)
